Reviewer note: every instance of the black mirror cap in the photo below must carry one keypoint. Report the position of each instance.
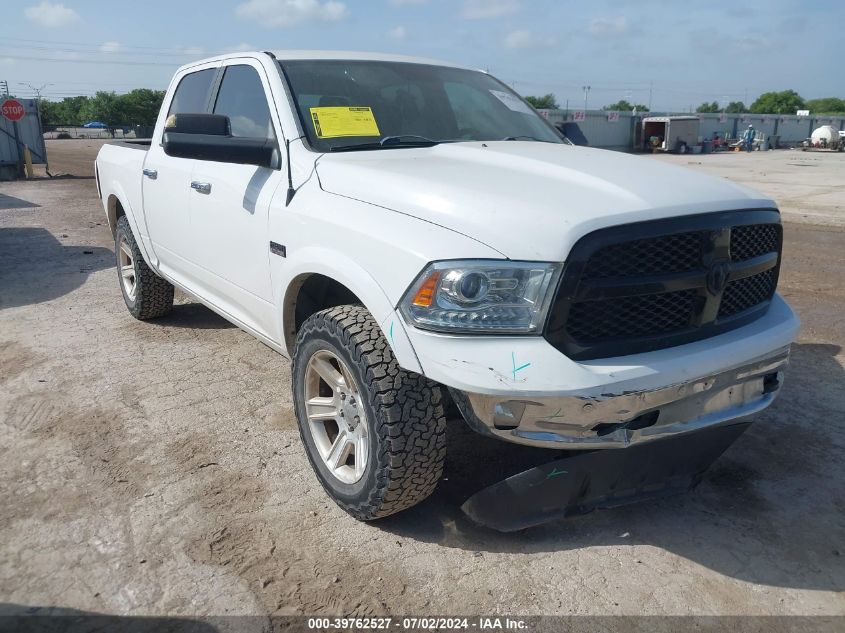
(189, 123)
(262, 152)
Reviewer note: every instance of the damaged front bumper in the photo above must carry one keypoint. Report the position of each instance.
(584, 482)
(620, 420)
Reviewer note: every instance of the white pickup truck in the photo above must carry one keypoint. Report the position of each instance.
(413, 235)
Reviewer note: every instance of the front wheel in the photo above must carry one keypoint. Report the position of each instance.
(374, 433)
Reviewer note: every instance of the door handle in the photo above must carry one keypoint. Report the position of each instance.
(152, 174)
(201, 187)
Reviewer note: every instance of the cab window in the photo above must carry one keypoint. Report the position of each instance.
(242, 99)
(191, 94)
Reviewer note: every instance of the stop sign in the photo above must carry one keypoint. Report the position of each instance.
(12, 109)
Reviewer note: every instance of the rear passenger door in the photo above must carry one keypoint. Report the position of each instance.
(230, 204)
(167, 182)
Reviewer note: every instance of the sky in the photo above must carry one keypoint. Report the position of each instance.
(674, 53)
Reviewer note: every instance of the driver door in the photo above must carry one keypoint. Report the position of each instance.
(229, 205)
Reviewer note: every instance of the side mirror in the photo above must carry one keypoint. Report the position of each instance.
(209, 137)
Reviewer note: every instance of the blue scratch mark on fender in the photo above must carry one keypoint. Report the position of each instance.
(391, 332)
(515, 368)
(555, 472)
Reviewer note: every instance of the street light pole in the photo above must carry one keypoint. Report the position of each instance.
(586, 90)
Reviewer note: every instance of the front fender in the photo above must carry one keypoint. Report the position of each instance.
(341, 268)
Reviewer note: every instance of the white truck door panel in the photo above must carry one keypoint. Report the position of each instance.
(167, 181)
(166, 186)
(230, 244)
(229, 206)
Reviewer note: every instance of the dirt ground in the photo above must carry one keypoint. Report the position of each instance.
(155, 468)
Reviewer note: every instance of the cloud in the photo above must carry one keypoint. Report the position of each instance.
(726, 44)
(51, 15)
(239, 48)
(405, 3)
(524, 38)
(609, 27)
(110, 47)
(397, 33)
(486, 9)
(196, 51)
(287, 13)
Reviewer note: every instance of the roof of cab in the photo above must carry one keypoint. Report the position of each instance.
(284, 55)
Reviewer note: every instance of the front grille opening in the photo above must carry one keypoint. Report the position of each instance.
(743, 294)
(640, 422)
(665, 254)
(649, 285)
(644, 315)
(754, 240)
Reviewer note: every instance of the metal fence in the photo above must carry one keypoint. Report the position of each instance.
(616, 130)
(77, 131)
(13, 137)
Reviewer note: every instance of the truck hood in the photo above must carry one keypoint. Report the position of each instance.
(527, 200)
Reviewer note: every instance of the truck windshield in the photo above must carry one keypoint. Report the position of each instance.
(347, 105)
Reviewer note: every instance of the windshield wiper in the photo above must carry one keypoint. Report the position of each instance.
(402, 140)
(413, 138)
(524, 136)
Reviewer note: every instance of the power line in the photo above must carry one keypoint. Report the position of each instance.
(91, 61)
(88, 44)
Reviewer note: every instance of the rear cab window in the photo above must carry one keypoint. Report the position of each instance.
(191, 94)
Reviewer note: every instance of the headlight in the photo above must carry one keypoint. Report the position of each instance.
(481, 296)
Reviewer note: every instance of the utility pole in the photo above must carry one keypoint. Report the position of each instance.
(586, 90)
(37, 91)
(4, 88)
(650, 89)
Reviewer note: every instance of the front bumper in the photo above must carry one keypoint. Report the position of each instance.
(632, 417)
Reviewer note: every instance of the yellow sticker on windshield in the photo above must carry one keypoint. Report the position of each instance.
(334, 122)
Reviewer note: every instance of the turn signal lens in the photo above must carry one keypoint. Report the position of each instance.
(425, 295)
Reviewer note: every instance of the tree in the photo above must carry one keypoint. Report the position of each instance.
(64, 112)
(624, 106)
(140, 106)
(735, 107)
(708, 107)
(826, 105)
(548, 102)
(106, 107)
(49, 111)
(784, 102)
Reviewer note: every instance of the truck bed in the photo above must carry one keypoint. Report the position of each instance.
(141, 143)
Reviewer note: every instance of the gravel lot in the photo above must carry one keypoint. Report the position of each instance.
(155, 468)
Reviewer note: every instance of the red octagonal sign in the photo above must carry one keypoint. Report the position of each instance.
(12, 109)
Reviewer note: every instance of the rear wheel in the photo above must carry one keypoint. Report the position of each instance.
(146, 295)
(374, 433)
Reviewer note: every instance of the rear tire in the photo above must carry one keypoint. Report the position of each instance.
(146, 295)
(401, 433)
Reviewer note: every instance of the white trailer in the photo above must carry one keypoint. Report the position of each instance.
(669, 133)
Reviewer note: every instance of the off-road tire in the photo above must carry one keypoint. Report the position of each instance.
(153, 295)
(404, 412)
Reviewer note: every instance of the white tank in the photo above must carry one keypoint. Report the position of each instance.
(826, 134)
